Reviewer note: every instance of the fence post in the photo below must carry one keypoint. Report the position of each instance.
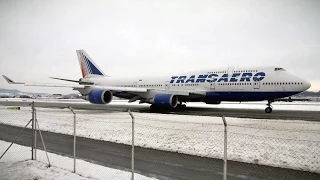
(33, 134)
(225, 149)
(74, 139)
(132, 149)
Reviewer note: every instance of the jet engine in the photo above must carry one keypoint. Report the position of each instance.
(99, 96)
(164, 100)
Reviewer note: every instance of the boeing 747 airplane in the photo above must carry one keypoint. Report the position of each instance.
(209, 86)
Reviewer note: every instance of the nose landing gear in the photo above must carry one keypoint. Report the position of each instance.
(269, 108)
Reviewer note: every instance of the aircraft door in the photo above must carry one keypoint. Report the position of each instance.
(256, 85)
(212, 85)
(167, 85)
(230, 71)
(135, 84)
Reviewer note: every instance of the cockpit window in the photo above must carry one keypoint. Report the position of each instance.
(279, 69)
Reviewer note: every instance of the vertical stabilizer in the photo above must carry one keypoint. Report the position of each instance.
(88, 67)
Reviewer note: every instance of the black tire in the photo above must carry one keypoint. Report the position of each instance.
(268, 110)
(153, 107)
(181, 106)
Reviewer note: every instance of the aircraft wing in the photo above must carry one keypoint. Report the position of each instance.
(112, 88)
(132, 90)
(10, 81)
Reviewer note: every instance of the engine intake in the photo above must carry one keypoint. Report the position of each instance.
(99, 96)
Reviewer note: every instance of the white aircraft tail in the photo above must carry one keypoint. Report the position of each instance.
(88, 67)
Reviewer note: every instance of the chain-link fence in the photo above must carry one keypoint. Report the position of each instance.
(275, 146)
(166, 146)
(17, 118)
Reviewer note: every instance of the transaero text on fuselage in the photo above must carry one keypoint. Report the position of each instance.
(235, 77)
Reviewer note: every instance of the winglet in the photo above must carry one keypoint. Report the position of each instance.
(10, 81)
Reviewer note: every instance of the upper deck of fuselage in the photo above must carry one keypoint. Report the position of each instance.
(269, 73)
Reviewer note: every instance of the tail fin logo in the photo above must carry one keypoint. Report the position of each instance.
(87, 66)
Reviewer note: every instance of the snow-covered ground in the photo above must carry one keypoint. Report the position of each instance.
(280, 143)
(16, 164)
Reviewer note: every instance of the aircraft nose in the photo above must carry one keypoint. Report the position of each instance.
(306, 84)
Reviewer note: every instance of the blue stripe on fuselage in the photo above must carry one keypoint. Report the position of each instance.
(246, 96)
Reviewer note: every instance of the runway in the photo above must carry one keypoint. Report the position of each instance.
(150, 162)
(200, 111)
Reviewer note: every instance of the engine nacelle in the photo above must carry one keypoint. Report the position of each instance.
(99, 96)
(213, 102)
(165, 100)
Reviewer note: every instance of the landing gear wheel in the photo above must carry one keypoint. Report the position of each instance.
(268, 110)
(181, 106)
(153, 107)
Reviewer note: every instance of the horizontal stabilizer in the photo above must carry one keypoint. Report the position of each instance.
(70, 80)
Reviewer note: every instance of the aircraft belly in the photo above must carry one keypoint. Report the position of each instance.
(124, 95)
(247, 96)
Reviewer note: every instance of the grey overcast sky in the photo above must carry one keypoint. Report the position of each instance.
(38, 39)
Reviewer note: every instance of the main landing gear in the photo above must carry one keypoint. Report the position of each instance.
(181, 106)
(269, 108)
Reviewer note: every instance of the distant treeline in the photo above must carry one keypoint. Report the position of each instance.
(310, 93)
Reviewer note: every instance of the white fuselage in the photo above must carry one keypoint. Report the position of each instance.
(230, 84)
